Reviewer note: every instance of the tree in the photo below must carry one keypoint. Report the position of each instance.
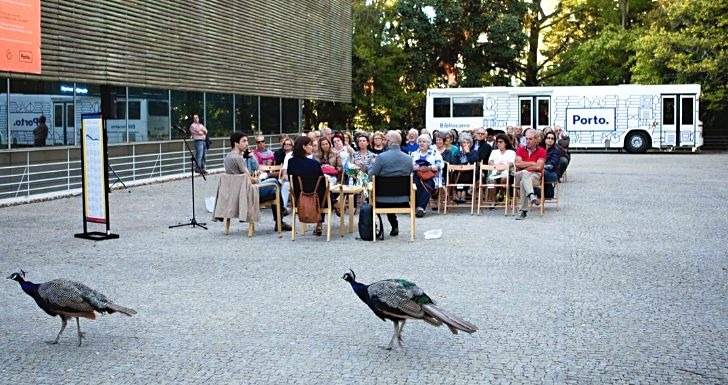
(468, 43)
(687, 42)
(588, 41)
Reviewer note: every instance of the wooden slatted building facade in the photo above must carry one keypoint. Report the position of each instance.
(298, 49)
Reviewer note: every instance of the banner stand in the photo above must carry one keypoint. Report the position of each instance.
(94, 159)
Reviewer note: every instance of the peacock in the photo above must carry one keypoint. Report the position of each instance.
(68, 299)
(398, 300)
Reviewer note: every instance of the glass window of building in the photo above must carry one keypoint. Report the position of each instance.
(4, 113)
(114, 112)
(219, 119)
(270, 115)
(290, 115)
(184, 106)
(31, 99)
(152, 109)
(246, 113)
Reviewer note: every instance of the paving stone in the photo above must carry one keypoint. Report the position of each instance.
(626, 284)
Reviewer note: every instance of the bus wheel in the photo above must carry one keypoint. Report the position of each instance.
(636, 143)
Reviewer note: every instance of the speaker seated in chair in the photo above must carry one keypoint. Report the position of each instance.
(393, 195)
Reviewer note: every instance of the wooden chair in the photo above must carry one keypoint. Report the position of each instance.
(486, 187)
(516, 195)
(555, 200)
(453, 180)
(393, 186)
(269, 203)
(273, 171)
(326, 209)
(232, 190)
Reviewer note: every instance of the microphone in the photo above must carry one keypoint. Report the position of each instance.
(178, 128)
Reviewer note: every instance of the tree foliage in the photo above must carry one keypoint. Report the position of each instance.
(590, 41)
(460, 43)
(687, 42)
(400, 48)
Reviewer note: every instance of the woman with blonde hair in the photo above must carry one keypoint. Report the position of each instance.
(379, 143)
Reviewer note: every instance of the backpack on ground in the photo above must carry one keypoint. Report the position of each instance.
(366, 217)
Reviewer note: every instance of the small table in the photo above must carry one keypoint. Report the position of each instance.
(346, 192)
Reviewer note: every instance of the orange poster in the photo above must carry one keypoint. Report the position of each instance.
(20, 36)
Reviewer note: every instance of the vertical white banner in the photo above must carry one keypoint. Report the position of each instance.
(94, 169)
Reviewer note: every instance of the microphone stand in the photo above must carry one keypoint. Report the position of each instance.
(193, 221)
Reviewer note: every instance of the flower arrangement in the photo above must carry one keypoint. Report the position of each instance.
(357, 176)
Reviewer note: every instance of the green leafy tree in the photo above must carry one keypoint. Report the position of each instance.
(688, 43)
(460, 43)
(589, 41)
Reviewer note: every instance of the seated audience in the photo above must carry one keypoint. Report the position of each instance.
(235, 164)
(410, 144)
(423, 158)
(392, 162)
(562, 143)
(379, 143)
(302, 165)
(529, 165)
(363, 157)
(551, 167)
(262, 154)
(467, 155)
(502, 157)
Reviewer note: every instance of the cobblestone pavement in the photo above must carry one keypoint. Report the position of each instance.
(626, 284)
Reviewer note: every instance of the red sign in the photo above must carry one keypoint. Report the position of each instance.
(20, 36)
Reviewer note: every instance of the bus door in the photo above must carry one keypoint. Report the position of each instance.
(534, 111)
(678, 120)
(63, 123)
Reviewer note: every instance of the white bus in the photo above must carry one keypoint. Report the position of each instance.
(147, 119)
(633, 117)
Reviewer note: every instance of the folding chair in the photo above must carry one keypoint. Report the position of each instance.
(269, 203)
(454, 180)
(273, 171)
(308, 185)
(516, 195)
(393, 186)
(487, 188)
(233, 195)
(555, 200)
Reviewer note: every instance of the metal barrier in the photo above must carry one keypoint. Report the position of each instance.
(35, 174)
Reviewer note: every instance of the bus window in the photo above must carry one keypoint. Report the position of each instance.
(686, 111)
(543, 112)
(135, 110)
(441, 107)
(157, 108)
(668, 111)
(467, 107)
(526, 112)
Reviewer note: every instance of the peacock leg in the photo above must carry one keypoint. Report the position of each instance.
(80, 335)
(399, 333)
(63, 326)
(394, 335)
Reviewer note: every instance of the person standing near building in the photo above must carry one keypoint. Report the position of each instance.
(199, 135)
(40, 133)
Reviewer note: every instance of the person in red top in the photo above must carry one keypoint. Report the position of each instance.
(199, 135)
(529, 166)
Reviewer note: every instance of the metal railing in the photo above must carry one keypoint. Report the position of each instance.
(35, 174)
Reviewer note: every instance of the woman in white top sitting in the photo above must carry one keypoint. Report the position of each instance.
(503, 157)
